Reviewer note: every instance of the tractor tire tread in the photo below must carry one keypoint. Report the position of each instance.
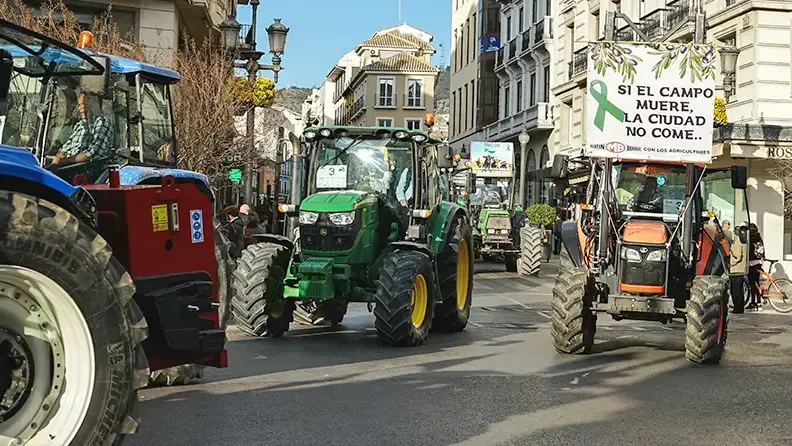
(570, 309)
(530, 250)
(707, 303)
(250, 284)
(448, 318)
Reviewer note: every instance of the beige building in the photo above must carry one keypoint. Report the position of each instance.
(760, 110)
(157, 24)
(388, 80)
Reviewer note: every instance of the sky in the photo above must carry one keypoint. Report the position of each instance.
(322, 31)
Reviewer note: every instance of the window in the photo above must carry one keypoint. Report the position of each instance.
(506, 109)
(549, 8)
(466, 109)
(546, 84)
(157, 127)
(454, 114)
(535, 11)
(595, 25)
(731, 40)
(532, 93)
(385, 96)
(472, 103)
(412, 124)
(521, 20)
(570, 121)
(384, 122)
(467, 41)
(454, 51)
(414, 95)
(508, 28)
(518, 105)
(492, 21)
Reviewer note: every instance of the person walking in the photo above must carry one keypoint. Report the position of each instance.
(235, 232)
(756, 256)
(738, 267)
(557, 235)
(726, 226)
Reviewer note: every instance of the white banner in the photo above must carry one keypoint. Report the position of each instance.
(492, 159)
(650, 101)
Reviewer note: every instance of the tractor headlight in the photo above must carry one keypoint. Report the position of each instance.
(310, 135)
(308, 218)
(342, 218)
(326, 133)
(490, 231)
(401, 134)
(656, 256)
(504, 231)
(630, 255)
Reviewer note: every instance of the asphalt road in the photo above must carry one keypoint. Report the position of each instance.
(498, 382)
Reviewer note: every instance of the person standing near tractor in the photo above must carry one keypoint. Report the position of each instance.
(738, 268)
(235, 231)
(755, 259)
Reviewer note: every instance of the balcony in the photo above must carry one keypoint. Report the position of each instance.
(499, 58)
(567, 5)
(385, 101)
(536, 117)
(512, 48)
(626, 34)
(579, 63)
(543, 31)
(678, 11)
(358, 107)
(525, 41)
(414, 102)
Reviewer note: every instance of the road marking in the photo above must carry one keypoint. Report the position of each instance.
(480, 286)
(515, 302)
(544, 314)
(639, 328)
(475, 324)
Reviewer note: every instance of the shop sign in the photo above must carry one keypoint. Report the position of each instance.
(651, 101)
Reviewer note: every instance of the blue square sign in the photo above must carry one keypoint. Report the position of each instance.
(196, 225)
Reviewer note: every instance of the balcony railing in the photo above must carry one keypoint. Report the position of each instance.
(579, 62)
(357, 107)
(626, 34)
(539, 28)
(525, 42)
(537, 116)
(499, 57)
(414, 101)
(652, 24)
(385, 101)
(678, 12)
(513, 48)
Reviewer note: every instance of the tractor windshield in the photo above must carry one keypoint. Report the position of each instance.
(489, 195)
(650, 188)
(365, 163)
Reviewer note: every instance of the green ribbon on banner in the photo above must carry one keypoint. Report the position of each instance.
(604, 105)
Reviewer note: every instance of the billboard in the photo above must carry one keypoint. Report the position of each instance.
(650, 101)
(489, 44)
(492, 159)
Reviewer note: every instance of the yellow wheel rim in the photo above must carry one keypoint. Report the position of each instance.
(419, 300)
(463, 274)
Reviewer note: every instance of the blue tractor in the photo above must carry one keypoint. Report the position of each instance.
(111, 263)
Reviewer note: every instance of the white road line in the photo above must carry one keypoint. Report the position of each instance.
(475, 324)
(639, 328)
(515, 302)
(545, 314)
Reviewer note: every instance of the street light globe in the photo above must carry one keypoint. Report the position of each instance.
(277, 37)
(229, 31)
(728, 57)
(524, 138)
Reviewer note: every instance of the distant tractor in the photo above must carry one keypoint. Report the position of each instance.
(373, 228)
(99, 283)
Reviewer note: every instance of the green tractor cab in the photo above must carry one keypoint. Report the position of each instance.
(373, 228)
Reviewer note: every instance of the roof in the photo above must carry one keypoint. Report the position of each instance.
(396, 39)
(128, 66)
(404, 62)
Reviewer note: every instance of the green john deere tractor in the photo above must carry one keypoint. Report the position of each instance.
(373, 228)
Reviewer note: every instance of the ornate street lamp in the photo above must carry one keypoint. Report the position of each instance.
(229, 31)
(728, 56)
(524, 138)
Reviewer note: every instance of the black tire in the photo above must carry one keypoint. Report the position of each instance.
(187, 373)
(449, 316)
(707, 320)
(530, 250)
(400, 273)
(573, 322)
(511, 263)
(43, 237)
(257, 304)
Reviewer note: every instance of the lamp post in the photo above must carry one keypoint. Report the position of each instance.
(524, 139)
(276, 33)
(728, 56)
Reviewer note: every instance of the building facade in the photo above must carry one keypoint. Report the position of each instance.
(524, 64)
(157, 24)
(759, 135)
(388, 80)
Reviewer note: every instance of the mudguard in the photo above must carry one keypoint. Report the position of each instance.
(412, 246)
(275, 239)
(21, 163)
(570, 239)
(440, 224)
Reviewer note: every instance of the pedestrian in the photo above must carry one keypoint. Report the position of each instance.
(738, 267)
(756, 257)
(252, 228)
(235, 232)
(244, 211)
(557, 235)
(726, 226)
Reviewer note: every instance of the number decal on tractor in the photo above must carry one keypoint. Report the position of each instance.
(159, 217)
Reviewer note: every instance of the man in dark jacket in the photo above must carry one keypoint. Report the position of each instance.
(235, 231)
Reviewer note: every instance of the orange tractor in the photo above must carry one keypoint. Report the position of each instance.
(647, 250)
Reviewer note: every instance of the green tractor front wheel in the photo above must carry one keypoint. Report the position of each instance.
(455, 270)
(258, 304)
(405, 299)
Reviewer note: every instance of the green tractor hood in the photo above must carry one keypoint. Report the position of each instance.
(335, 201)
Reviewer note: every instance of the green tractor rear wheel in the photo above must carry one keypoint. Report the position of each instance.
(404, 299)
(455, 268)
(258, 304)
(530, 250)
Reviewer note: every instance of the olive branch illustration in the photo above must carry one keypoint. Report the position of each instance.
(611, 55)
(696, 61)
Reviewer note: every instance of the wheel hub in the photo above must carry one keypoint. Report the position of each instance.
(16, 372)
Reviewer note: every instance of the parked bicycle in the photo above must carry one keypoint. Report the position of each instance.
(775, 291)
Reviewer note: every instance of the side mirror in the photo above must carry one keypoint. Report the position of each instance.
(739, 177)
(560, 168)
(97, 84)
(445, 157)
(6, 71)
